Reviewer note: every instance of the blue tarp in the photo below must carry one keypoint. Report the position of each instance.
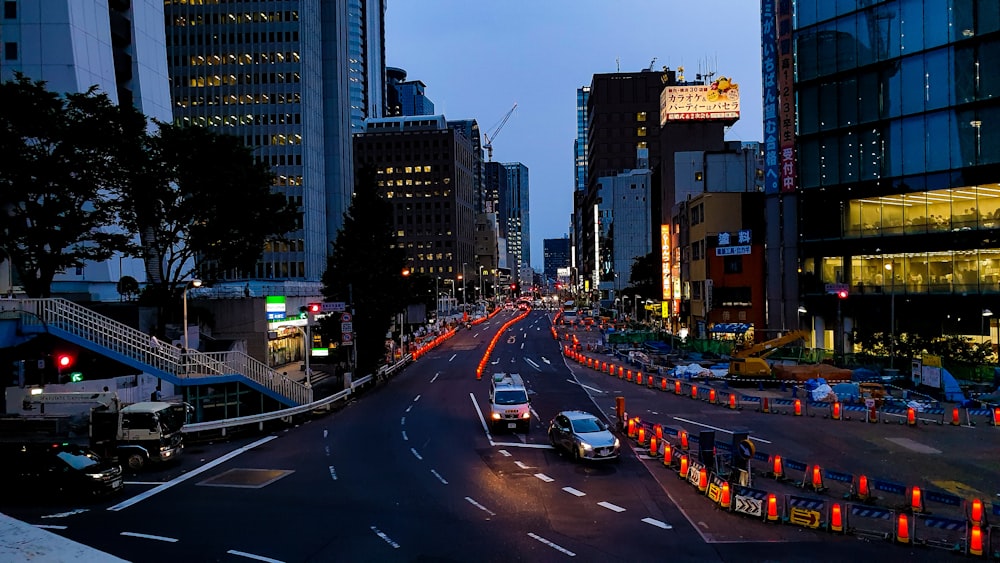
(657, 347)
(952, 392)
(731, 328)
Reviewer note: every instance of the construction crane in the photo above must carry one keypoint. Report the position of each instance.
(492, 134)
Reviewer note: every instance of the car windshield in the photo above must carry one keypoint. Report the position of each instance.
(78, 459)
(514, 397)
(586, 425)
(172, 418)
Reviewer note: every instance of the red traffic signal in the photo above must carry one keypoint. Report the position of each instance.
(64, 361)
(314, 307)
(842, 294)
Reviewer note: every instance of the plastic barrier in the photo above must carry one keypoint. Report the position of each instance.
(804, 511)
(749, 501)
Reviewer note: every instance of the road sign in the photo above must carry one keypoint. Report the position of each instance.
(804, 517)
(746, 449)
(347, 339)
(346, 327)
(332, 307)
(748, 505)
(346, 318)
(836, 287)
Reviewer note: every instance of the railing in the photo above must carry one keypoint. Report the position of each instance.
(121, 339)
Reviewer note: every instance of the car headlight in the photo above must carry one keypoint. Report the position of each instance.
(495, 416)
(586, 446)
(617, 443)
(526, 415)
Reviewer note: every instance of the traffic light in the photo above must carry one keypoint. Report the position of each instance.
(314, 308)
(842, 294)
(64, 361)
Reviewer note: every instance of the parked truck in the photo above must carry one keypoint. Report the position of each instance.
(135, 434)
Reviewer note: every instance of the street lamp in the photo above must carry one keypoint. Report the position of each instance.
(465, 299)
(635, 307)
(184, 295)
(892, 315)
(982, 324)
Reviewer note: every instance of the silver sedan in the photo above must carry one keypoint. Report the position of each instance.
(583, 436)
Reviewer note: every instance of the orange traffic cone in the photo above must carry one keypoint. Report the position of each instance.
(732, 401)
(663, 383)
(817, 479)
(954, 417)
(798, 407)
(976, 512)
(777, 471)
(683, 470)
(835, 410)
(677, 387)
(916, 500)
(765, 406)
(711, 396)
(694, 391)
(658, 430)
(668, 454)
(683, 435)
(902, 529)
(642, 436)
(772, 508)
(860, 489)
(836, 518)
(975, 540)
(725, 498)
(654, 449)
(911, 417)
(996, 416)
(631, 428)
(702, 480)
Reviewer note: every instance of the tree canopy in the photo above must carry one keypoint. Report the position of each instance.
(366, 271)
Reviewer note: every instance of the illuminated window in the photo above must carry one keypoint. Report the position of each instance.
(389, 170)
(409, 170)
(641, 116)
(641, 132)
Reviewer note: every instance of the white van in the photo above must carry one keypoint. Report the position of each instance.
(509, 405)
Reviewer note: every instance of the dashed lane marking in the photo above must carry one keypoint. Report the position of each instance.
(384, 537)
(550, 544)
(480, 507)
(253, 556)
(544, 477)
(574, 492)
(657, 523)
(149, 537)
(610, 506)
(439, 477)
(415, 454)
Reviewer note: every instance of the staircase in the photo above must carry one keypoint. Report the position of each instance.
(81, 326)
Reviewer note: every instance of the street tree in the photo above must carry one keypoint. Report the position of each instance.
(645, 279)
(57, 210)
(365, 270)
(203, 206)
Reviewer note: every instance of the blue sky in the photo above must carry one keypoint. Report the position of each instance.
(479, 58)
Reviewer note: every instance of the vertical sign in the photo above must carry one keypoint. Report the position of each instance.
(786, 99)
(769, 84)
(274, 306)
(665, 260)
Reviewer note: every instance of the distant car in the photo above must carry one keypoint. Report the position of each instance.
(583, 436)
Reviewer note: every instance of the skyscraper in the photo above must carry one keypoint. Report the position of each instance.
(116, 46)
(557, 256)
(510, 180)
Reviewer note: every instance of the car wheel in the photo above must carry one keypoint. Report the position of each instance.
(136, 461)
(576, 453)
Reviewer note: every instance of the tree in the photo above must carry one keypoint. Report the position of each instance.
(646, 276)
(187, 195)
(365, 270)
(56, 205)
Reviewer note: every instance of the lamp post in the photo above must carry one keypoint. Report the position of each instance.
(892, 315)
(184, 298)
(635, 307)
(465, 299)
(982, 324)
(482, 296)
(802, 311)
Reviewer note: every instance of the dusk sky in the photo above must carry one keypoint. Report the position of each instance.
(479, 58)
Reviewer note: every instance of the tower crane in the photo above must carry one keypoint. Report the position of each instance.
(492, 134)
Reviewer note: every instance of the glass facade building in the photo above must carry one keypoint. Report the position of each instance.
(898, 160)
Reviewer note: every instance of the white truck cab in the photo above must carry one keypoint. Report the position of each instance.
(510, 408)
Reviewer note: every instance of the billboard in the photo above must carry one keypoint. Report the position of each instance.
(769, 68)
(719, 100)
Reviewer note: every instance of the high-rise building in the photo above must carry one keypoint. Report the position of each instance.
(293, 86)
(507, 185)
(893, 167)
(580, 187)
(405, 97)
(557, 257)
(116, 46)
(424, 169)
(623, 219)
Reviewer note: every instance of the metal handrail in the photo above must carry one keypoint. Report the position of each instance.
(122, 339)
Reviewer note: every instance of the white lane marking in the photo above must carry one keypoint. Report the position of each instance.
(482, 420)
(65, 514)
(417, 398)
(520, 445)
(327, 450)
(149, 537)
(408, 408)
(385, 538)
(546, 360)
(50, 527)
(480, 507)
(452, 357)
(326, 432)
(522, 345)
(594, 389)
(504, 453)
(252, 556)
(914, 446)
(402, 421)
(415, 454)
(475, 335)
(438, 475)
(532, 364)
(333, 473)
(405, 437)
(550, 544)
(495, 362)
(610, 506)
(522, 465)
(574, 492)
(143, 482)
(754, 438)
(658, 524)
(435, 376)
(544, 477)
(141, 497)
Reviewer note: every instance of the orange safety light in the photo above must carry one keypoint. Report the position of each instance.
(765, 406)
(663, 383)
(684, 467)
(835, 411)
(642, 435)
(916, 500)
(711, 396)
(976, 512)
(798, 407)
(702, 480)
(628, 375)
(725, 498)
(621, 371)
(862, 492)
(631, 428)
(479, 372)
(677, 387)
(817, 478)
(694, 391)
(902, 529)
(996, 416)
(836, 518)
(772, 507)
(954, 417)
(668, 454)
(777, 467)
(975, 540)
(911, 417)
(653, 446)
(658, 430)
(732, 401)
(683, 435)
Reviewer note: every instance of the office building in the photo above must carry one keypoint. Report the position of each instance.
(507, 186)
(405, 98)
(623, 220)
(896, 188)
(117, 47)
(557, 257)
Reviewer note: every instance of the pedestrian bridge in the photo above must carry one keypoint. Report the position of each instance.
(69, 321)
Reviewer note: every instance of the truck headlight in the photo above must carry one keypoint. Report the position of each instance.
(495, 416)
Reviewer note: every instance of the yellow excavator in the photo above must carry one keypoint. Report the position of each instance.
(751, 362)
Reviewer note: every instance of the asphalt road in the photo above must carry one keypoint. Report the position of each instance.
(410, 472)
